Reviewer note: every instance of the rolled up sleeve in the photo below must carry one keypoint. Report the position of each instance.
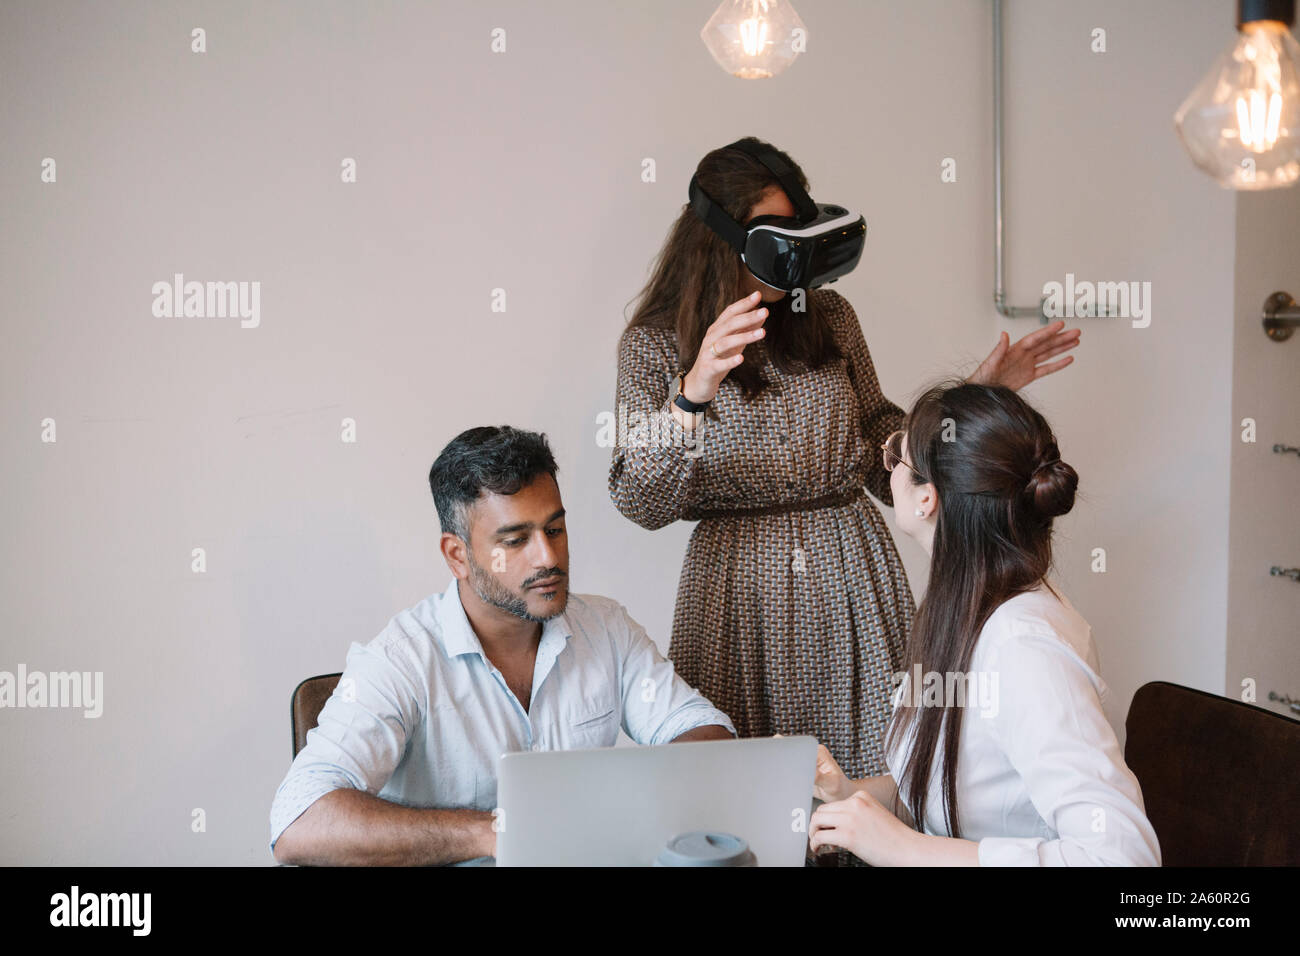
(657, 704)
(360, 736)
(1051, 726)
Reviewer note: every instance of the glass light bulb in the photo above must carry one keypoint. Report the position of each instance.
(1242, 122)
(754, 39)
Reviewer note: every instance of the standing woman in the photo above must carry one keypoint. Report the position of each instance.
(793, 607)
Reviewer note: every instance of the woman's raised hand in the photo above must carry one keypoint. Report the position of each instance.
(1015, 366)
(723, 347)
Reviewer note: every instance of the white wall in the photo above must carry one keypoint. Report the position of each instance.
(519, 171)
(1263, 609)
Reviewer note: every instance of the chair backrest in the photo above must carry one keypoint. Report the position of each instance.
(1217, 777)
(305, 706)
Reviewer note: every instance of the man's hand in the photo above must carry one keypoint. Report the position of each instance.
(353, 828)
(489, 842)
(707, 732)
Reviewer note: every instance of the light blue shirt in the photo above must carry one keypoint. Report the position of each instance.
(420, 715)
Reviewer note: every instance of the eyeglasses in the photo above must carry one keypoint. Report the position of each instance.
(893, 454)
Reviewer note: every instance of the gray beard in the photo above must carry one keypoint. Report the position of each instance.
(490, 591)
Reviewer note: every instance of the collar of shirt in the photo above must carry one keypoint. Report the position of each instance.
(453, 628)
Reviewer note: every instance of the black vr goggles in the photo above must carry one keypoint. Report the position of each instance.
(817, 246)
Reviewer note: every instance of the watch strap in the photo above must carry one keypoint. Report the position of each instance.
(684, 403)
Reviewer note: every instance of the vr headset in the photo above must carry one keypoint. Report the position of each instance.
(818, 245)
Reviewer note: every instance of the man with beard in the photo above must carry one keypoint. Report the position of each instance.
(401, 767)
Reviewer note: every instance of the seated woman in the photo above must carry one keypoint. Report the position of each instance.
(998, 741)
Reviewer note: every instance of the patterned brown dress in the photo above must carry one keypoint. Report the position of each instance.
(791, 623)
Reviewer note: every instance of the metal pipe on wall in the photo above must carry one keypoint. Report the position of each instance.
(999, 226)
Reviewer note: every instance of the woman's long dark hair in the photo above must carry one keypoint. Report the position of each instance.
(996, 470)
(696, 275)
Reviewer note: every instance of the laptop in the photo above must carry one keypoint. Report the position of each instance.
(620, 806)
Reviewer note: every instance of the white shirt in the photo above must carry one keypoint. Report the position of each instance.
(1041, 780)
(421, 715)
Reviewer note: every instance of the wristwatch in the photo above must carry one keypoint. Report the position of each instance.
(681, 401)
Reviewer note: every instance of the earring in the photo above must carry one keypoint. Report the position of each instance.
(920, 513)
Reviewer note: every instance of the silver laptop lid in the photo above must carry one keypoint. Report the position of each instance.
(619, 806)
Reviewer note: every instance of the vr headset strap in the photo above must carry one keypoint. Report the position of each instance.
(805, 209)
(731, 231)
(715, 218)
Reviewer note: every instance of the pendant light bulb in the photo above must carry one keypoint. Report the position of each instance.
(1241, 124)
(754, 39)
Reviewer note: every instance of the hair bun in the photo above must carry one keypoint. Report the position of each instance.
(1052, 486)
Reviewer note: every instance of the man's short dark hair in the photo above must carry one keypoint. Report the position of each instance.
(496, 459)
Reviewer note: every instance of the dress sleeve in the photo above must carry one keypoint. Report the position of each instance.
(880, 416)
(1051, 726)
(655, 465)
